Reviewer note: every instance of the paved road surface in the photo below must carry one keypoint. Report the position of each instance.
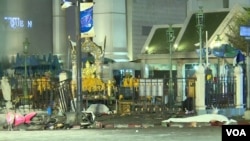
(148, 134)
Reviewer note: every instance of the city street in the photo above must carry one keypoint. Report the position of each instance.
(139, 134)
(166, 70)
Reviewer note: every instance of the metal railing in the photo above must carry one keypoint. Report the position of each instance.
(44, 92)
(220, 92)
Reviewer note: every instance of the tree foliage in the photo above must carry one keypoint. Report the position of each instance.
(233, 35)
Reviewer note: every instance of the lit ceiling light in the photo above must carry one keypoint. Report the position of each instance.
(66, 4)
(197, 44)
(175, 46)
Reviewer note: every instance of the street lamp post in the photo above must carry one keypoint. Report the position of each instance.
(200, 72)
(199, 25)
(170, 39)
(79, 44)
(26, 44)
(218, 44)
(79, 98)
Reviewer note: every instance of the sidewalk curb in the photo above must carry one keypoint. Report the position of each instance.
(99, 125)
(130, 125)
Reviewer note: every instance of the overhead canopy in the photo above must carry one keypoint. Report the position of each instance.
(186, 35)
(158, 43)
(190, 36)
(37, 65)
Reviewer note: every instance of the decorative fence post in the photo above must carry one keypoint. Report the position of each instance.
(200, 91)
(239, 109)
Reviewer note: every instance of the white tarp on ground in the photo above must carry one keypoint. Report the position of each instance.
(98, 109)
(202, 118)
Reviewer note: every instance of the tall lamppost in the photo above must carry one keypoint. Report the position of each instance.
(218, 44)
(26, 44)
(79, 99)
(170, 39)
(199, 25)
(200, 72)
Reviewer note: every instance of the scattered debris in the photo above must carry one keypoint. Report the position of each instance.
(98, 109)
(15, 119)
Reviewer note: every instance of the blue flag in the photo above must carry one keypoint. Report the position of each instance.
(239, 58)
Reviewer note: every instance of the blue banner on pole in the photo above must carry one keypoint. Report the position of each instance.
(86, 20)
